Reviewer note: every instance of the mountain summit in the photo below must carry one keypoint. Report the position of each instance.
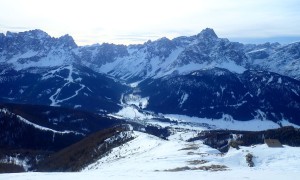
(208, 33)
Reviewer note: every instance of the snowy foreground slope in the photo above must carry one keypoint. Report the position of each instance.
(148, 157)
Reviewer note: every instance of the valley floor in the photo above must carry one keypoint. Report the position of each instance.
(149, 157)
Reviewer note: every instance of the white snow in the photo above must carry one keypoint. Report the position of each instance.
(135, 84)
(38, 126)
(232, 66)
(227, 122)
(258, 92)
(184, 97)
(70, 97)
(16, 160)
(294, 91)
(270, 80)
(222, 89)
(147, 153)
(244, 173)
(137, 100)
(259, 123)
(69, 80)
(54, 58)
(53, 97)
(121, 135)
(287, 123)
(280, 61)
(138, 63)
(257, 50)
(45, 128)
(279, 80)
(146, 157)
(131, 112)
(77, 106)
(16, 57)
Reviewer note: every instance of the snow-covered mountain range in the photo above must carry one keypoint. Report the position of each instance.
(72, 86)
(216, 92)
(202, 75)
(152, 59)
(169, 93)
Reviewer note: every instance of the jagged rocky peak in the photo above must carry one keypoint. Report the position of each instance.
(2, 35)
(40, 36)
(67, 41)
(207, 33)
(294, 50)
(37, 33)
(161, 47)
(161, 42)
(34, 34)
(102, 54)
(21, 42)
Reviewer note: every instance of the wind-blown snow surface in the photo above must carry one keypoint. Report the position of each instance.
(147, 157)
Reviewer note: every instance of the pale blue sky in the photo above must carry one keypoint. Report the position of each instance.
(135, 21)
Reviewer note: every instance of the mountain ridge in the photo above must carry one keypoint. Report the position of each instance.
(152, 59)
(97, 78)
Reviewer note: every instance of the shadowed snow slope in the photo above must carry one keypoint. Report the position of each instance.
(147, 157)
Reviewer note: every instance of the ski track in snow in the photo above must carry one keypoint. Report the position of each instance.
(184, 97)
(54, 98)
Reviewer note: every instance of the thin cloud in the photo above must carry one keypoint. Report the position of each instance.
(124, 22)
(4, 28)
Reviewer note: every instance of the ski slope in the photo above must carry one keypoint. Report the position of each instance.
(148, 157)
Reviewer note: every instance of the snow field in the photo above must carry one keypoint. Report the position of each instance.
(146, 157)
